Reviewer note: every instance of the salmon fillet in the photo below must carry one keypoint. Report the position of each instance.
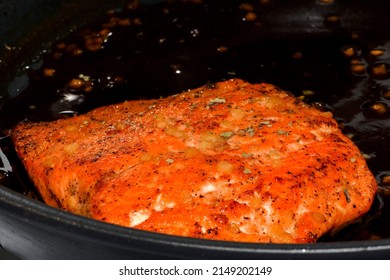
(226, 161)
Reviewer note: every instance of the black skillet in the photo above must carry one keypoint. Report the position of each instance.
(31, 230)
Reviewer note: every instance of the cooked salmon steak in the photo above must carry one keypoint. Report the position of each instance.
(227, 161)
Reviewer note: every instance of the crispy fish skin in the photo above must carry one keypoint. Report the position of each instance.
(227, 161)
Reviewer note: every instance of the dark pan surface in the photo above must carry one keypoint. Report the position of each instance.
(268, 48)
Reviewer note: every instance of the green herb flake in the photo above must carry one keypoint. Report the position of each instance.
(216, 101)
(282, 132)
(247, 155)
(247, 171)
(347, 197)
(226, 134)
(264, 123)
(194, 106)
(250, 131)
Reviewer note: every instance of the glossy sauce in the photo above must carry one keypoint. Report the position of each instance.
(148, 51)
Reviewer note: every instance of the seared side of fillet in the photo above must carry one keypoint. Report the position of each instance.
(230, 161)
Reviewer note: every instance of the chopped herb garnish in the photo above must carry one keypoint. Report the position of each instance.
(265, 123)
(247, 155)
(282, 132)
(347, 197)
(194, 105)
(247, 171)
(226, 134)
(215, 101)
(250, 131)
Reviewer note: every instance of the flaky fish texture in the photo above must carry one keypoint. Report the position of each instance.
(227, 161)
